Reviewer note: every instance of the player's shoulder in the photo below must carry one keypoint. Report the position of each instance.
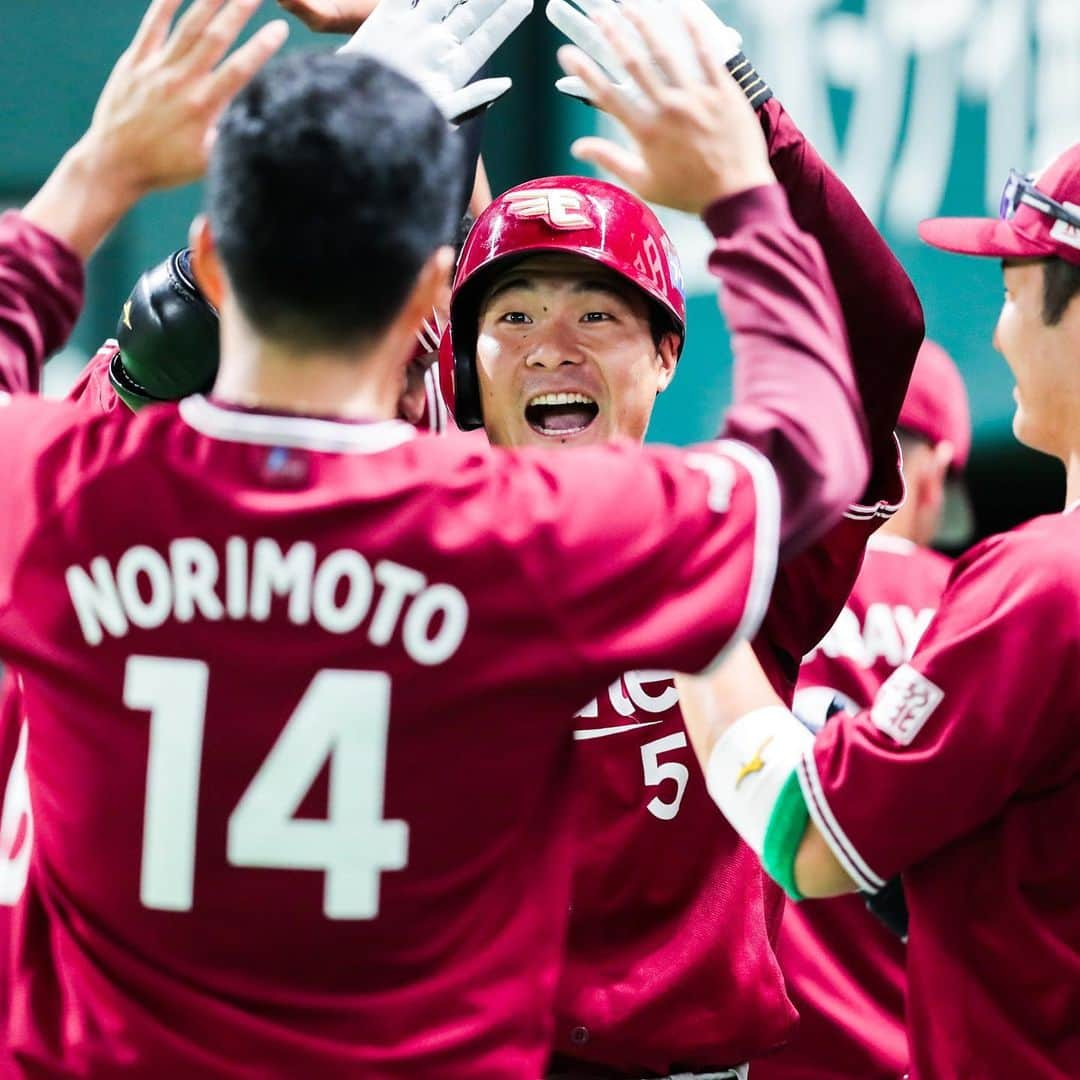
(51, 445)
(93, 390)
(1035, 559)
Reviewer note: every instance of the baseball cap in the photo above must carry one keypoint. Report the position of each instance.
(936, 406)
(1039, 216)
(936, 409)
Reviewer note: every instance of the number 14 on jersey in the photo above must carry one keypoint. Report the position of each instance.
(342, 718)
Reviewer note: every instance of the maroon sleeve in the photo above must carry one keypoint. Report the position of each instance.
(881, 310)
(985, 712)
(41, 293)
(795, 397)
(884, 323)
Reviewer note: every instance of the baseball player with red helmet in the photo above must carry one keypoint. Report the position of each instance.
(844, 968)
(964, 775)
(567, 320)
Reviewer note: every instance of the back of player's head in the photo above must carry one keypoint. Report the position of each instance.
(332, 180)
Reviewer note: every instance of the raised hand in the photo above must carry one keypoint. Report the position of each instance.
(154, 121)
(696, 136)
(156, 115)
(442, 44)
(667, 20)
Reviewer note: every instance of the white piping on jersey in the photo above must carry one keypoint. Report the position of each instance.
(603, 732)
(436, 405)
(1071, 507)
(299, 432)
(882, 508)
(825, 820)
(766, 541)
(898, 545)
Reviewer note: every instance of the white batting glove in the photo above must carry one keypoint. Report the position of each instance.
(442, 44)
(664, 16)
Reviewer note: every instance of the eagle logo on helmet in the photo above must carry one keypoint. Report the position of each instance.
(559, 207)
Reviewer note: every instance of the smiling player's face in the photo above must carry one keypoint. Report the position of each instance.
(566, 356)
(1042, 359)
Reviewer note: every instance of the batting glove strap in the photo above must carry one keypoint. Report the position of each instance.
(756, 89)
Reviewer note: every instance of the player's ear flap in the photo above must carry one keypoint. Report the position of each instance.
(205, 266)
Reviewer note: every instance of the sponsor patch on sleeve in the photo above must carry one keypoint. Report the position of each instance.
(904, 703)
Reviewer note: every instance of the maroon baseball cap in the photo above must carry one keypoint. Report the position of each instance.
(936, 406)
(1040, 216)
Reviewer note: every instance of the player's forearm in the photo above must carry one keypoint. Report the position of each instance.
(83, 200)
(749, 746)
(795, 394)
(881, 310)
(41, 294)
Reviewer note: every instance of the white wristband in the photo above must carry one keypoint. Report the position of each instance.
(750, 764)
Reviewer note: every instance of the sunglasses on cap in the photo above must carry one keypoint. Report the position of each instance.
(1020, 190)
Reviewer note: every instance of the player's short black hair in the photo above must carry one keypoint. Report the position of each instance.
(332, 180)
(1061, 282)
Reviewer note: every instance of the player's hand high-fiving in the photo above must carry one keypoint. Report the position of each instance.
(668, 20)
(697, 138)
(442, 44)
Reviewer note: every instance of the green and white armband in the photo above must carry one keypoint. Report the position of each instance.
(752, 776)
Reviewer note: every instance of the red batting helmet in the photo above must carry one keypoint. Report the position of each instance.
(570, 214)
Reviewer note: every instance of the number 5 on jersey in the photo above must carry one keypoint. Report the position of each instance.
(343, 716)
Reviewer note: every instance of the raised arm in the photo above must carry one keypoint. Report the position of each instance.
(151, 129)
(700, 149)
(881, 310)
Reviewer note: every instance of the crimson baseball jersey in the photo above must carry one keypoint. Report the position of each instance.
(965, 775)
(670, 964)
(294, 801)
(843, 969)
(231, 631)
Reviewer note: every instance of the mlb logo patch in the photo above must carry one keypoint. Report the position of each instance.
(904, 703)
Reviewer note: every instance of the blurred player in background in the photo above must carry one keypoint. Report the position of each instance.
(843, 968)
(567, 321)
(220, 626)
(965, 773)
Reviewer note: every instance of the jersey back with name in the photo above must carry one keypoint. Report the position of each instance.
(299, 700)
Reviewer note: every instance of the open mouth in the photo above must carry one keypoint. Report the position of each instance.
(556, 415)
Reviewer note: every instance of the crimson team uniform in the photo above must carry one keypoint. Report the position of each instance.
(296, 807)
(670, 963)
(965, 775)
(844, 970)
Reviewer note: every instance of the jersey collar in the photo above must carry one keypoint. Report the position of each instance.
(232, 424)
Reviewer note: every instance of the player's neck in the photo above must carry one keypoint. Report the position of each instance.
(1072, 477)
(362, 383)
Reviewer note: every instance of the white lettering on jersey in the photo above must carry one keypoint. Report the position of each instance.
(904, 703)
(887, 633)
(337, 594)
(721, 474)
(629, 693)
(561, 208)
